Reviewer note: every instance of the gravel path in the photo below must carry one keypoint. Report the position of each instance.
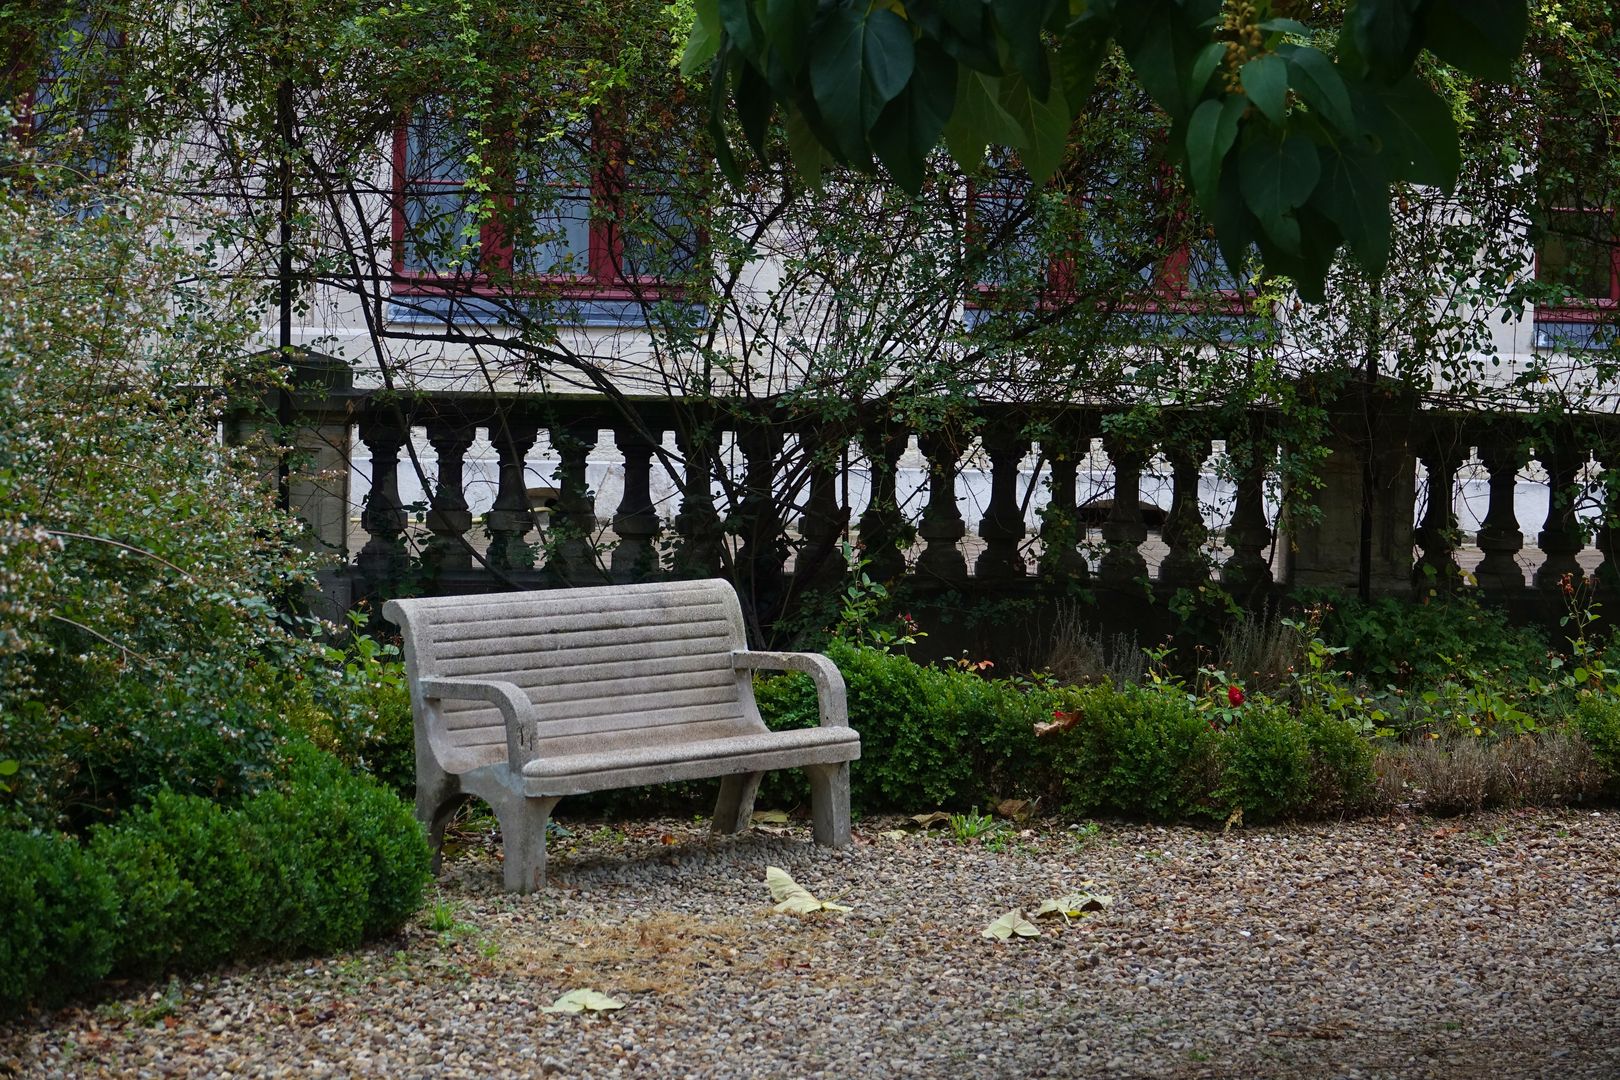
(1467, 947)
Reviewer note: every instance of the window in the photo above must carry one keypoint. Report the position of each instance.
(63, 80)
(571, 214)
(1577, 239)
(1131, 241)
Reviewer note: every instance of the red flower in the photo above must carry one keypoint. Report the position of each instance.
(1234, 696)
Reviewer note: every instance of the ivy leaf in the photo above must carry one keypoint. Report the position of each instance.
(1482, 37)
(578, 1001)
(1265, 80)
(1013, 924)
(1210, 134)
(859, 62)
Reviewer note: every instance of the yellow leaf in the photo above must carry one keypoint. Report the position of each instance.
(1013, 924)
(770, 817)
(791, 897)
(577, 1001)
(1074, 904)
(928, 821)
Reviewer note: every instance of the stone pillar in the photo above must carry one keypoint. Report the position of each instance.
(1326, 553)
(573, 522)
(511, 518)
(1002, 527)
(1499, 536)
(448, 518)
(942, 527)
(382, 560)
(880, 525)
(700, 553)
(1185, 565)
(636, 520)
(1122, 565)
(1442, 452)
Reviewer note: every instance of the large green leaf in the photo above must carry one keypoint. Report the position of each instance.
(966, 17)
(705, 39)
(741, 23)
(1020, 24)
(1210, 132)
(859, 62)
(1384, 33)
(1354, 195)
(1045, 125)
(1265, 80)
(978, 120)
(1209, 58)
(787, 27)
(809, 159)
(1416, 130)
(1277, 175)
(1483, 37)
(910, 125)
(1316, 80)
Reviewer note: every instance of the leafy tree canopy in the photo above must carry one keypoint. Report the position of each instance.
(1288, 149)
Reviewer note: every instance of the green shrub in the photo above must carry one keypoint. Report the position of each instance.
(1267, 763)
(1597, 718)
(1142, 752)
(188, 881)
(1395, 642)
(59, 927)
(1343, 778)
(342, 858)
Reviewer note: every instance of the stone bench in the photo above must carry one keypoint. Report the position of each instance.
(523, 698)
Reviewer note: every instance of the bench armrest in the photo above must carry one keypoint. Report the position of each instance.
(822, 671)
(516, 709)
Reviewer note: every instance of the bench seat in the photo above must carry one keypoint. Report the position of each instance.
(520, 699)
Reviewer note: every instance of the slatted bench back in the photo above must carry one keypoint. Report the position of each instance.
(606, 667)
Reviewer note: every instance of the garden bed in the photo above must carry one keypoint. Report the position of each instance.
(1391, 946)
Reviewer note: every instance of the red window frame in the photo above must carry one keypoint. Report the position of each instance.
(605, 276)
(1591, 309)
(1166, 290)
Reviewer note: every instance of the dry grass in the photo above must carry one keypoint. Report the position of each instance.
(1084, 657)
(1555, 767)
(1259, 648)
(662, 953)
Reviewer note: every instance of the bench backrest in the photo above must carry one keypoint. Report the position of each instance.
(602, 665)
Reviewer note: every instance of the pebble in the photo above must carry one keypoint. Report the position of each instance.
(1401, 947)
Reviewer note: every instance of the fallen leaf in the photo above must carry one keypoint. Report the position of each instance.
(928, 821)
(668, 838)
(894, 834)
(1018, 810)
(791, 897)
(1234, 820)
(1061, 721)
(770, 817)
(1074, 904)
(578, 1001)
(1010, 924)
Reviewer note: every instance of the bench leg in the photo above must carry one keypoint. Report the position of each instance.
(829, 803)
(434, 805)
(523, 838)
(734, 810)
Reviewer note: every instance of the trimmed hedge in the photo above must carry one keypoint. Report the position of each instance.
(183, 883)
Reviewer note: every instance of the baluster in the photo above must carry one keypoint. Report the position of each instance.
(1441, 455)
(1002, 527)
(1562, 536)
(1246, 570)
(1499, 535)
(573, 522)
(1608, 532)
(383, 558)
(1060, 521)
(511, 518)
(942, 527)
(1185, 565)
(635, 521)
(880, 524)
(448, 518)
(822, 522)
(1122, 564)
(700, 553)
(762, 548)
